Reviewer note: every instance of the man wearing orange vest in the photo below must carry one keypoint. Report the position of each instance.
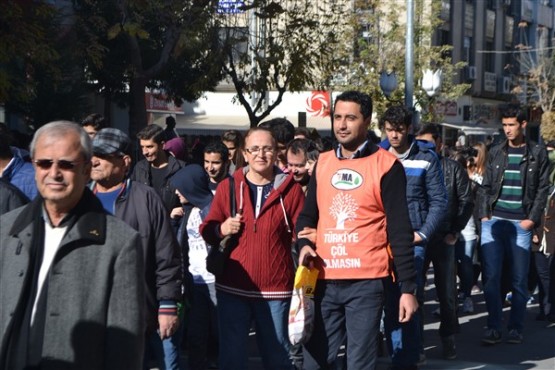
(356, 200)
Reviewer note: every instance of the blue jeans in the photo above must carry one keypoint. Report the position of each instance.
(464, 251)
(348, 309)
(505, 240)
(167, 350)
(202, 333)
(235, 314)
(404, 340)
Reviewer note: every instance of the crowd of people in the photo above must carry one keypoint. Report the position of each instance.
(103, 255)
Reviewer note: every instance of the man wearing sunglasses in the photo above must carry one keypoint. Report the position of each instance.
(71, 291)
(142, 209)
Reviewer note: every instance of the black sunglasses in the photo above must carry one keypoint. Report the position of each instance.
(45, 164)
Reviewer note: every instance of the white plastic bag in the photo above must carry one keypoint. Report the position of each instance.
(301, 312)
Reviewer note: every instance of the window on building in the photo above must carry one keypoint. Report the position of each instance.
(468, 52)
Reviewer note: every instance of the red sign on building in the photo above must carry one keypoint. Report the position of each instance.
(158, 103)
(318, 104)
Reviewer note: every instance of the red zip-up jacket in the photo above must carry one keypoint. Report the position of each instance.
(261, 265)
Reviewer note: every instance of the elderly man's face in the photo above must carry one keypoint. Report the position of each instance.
(109, 170)
(61, 172)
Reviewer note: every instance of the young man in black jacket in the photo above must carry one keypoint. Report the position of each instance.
(158, 166)
(441, 248)
(511, 202)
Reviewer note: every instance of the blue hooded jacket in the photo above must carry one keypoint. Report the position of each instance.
(426, 194)
(21, 173)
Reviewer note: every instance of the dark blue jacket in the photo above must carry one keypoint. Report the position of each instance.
(426, 194)
(21, 173)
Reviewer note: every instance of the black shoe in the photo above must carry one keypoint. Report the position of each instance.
(514, 337)
(449, 348)
(491, 336)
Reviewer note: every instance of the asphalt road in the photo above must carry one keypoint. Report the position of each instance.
(536, 352)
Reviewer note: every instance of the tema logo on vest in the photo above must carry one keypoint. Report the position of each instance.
(345, 179)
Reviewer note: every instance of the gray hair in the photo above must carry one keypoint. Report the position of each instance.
(61, 129)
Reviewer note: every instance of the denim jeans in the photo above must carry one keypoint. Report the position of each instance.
(505, 240)
(464, 252)
(202, 334)
(345, 309)
(442, 256)
(404, 340)
(235, 314)
(166, 352)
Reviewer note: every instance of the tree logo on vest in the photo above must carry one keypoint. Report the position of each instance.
(345, 179)
(343, 208)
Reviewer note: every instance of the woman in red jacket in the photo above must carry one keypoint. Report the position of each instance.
(258, 277)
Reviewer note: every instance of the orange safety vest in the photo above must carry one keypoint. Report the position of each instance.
(352, 237)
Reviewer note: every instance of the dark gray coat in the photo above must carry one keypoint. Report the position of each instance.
(95, 300)
(142, 209)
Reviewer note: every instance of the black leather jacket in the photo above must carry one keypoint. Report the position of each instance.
(460, 203)
(534, 169)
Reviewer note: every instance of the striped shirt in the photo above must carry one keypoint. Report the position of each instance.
(509, 203)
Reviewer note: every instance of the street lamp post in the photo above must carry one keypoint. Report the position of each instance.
(409, 51)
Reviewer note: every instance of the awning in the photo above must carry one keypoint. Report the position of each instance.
(474, 129)
(215, 125)
(211, 123)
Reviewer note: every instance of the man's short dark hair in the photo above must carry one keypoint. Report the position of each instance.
(298, 146)
(304, 131)
(396, 116)
(430, 128)
(217, 147)
(170, 122)
(152, 132)
(282, 129)
(235, 137)
(95, 120)
(362, 99)
(513, 111)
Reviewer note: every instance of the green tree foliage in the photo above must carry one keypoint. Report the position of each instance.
(374, 42)
(280, 46)
(25, 44)
(535, 82)
(37, 75)
(165, 45)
